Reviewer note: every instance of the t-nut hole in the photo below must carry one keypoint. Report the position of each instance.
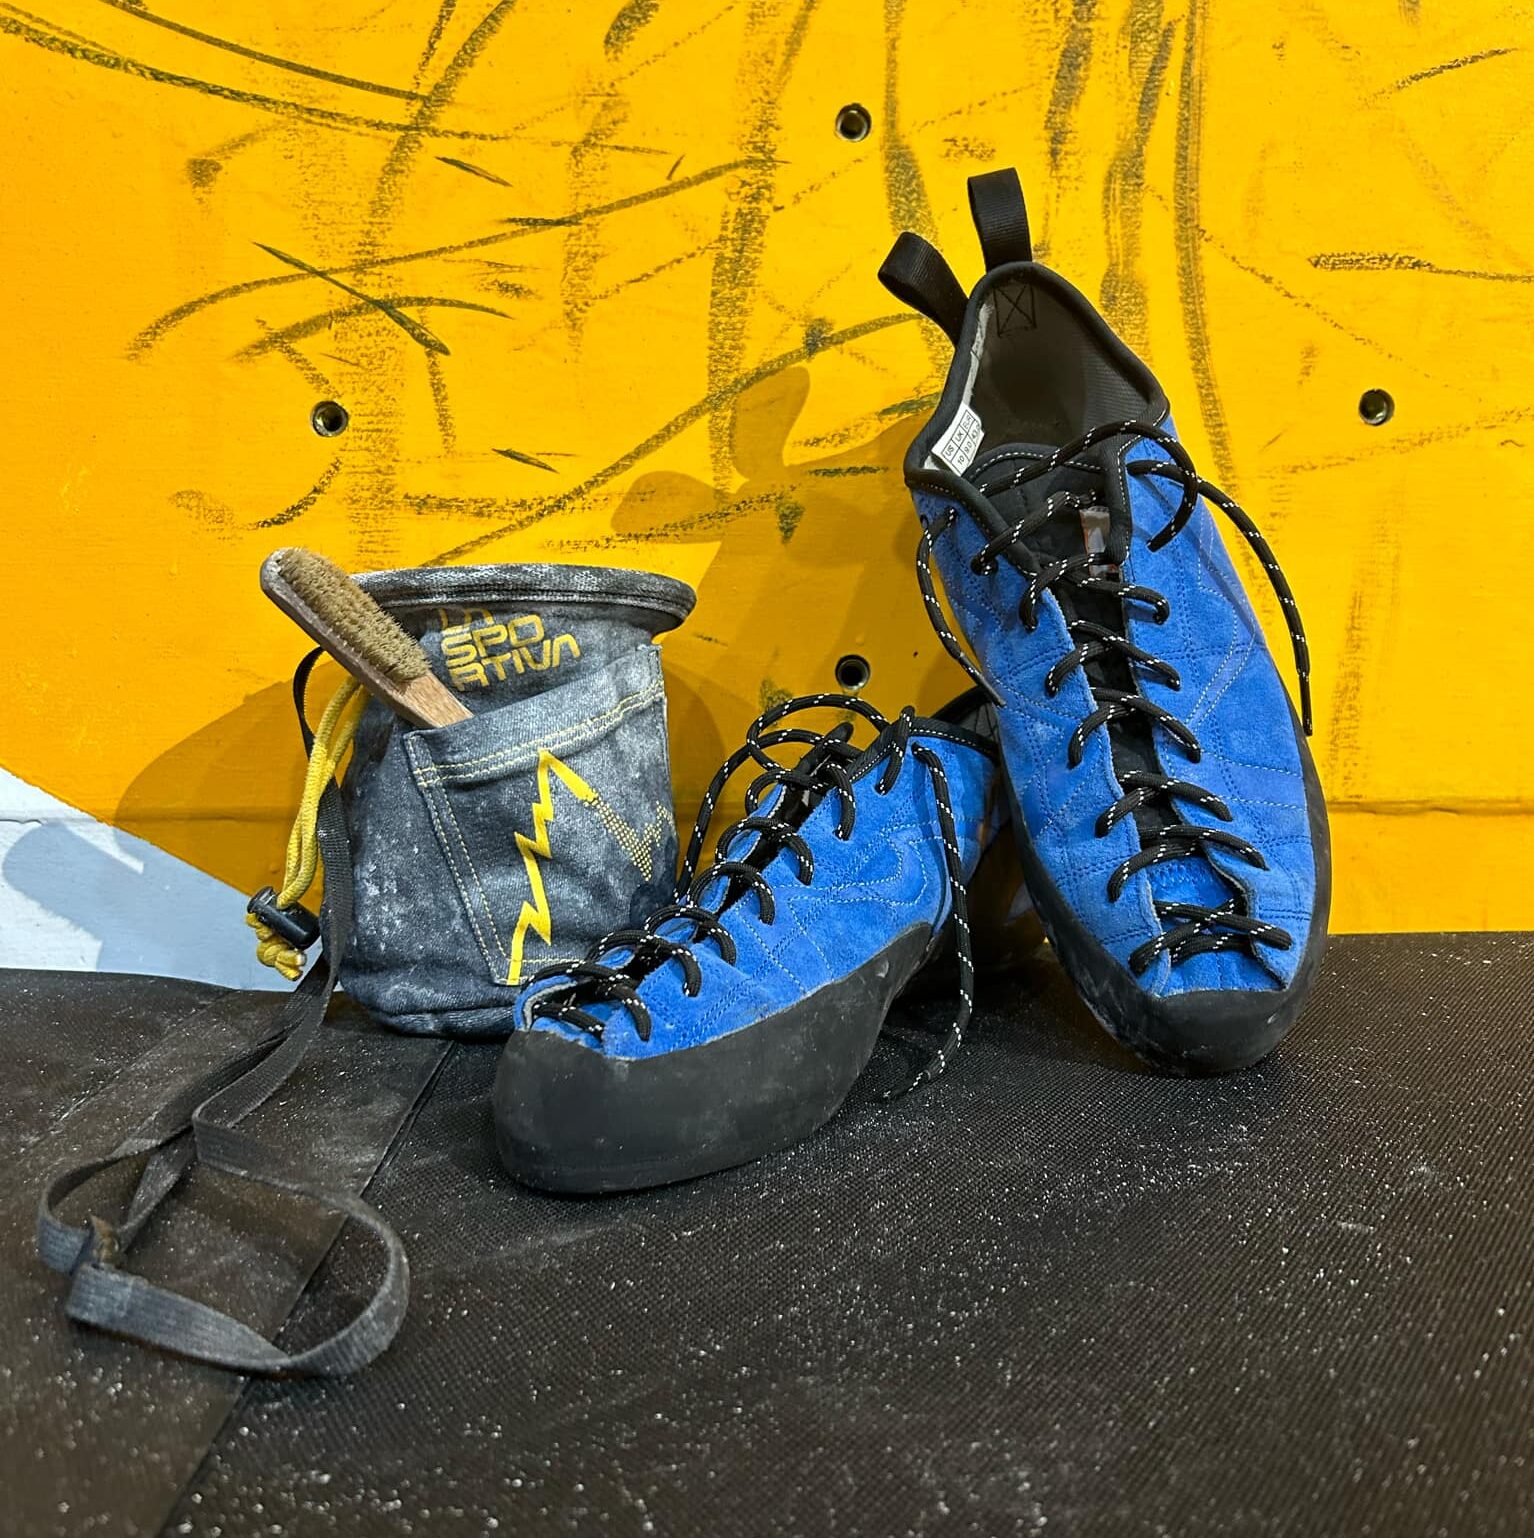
(329, 418)
(1376, 407)
(852, 672)
(854, 122)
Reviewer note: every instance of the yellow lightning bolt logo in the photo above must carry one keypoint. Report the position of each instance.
(535, 913)
(640, 845)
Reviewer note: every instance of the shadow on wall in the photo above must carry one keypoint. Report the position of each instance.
(231, 787)
(802, 550)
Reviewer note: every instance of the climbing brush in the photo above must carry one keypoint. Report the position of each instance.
(325, 603)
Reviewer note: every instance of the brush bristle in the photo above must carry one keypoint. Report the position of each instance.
(353, 615)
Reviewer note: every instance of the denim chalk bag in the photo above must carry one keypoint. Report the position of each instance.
(485, 850)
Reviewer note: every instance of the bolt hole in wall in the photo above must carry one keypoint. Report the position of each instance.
(854, 122)
(1376, 407)
(329, 418)
(853, 672)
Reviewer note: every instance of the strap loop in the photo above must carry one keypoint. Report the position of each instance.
(916, 274)
(1001, 218)
(200, 1123)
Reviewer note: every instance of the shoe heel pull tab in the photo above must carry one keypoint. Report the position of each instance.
(916, 274)
(1001, 218)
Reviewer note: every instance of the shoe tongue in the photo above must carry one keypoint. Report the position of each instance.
(1102, 529)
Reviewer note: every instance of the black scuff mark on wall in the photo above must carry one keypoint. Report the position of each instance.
(584, 243)
(742, 237)
(527, 459)
(277, 340)
(656, 271)
(203, 170)
(789, 512)
(626, 25)
(1401, 261)
(1300, 301)
(408, 324)
(433, 104)
(473, 170)
(1123, 286)
(136, 9)
(85, 51)
(434, 37)
(311, 375)
(447, 430)
(1190, 256)
(1448, 67)
(905, 191)
(1070, 79)
(305, 502)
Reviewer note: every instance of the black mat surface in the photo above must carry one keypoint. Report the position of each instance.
(96, 1436)
(1053, 1294)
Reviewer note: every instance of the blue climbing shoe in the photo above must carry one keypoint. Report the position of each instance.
(735, 1019)
(1169, 820)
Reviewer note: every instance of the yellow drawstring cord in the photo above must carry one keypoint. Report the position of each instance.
(331, 740)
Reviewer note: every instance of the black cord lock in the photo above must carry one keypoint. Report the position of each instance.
(297, 925)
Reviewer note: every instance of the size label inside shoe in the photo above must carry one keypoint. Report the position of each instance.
(959, 445)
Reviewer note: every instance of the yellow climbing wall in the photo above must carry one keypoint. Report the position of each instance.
(597, 283)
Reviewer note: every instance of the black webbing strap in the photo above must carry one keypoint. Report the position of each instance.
(1001, 218)
(201, 1124)
(916, 274)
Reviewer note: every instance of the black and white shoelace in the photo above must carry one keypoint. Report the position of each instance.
(1188, 928)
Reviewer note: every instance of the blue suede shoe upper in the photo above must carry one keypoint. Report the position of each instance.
(1079, 554)
(1232, 697)
(888, 876)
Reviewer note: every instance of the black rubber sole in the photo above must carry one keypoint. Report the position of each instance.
(1193, 1033)
(572, 1120)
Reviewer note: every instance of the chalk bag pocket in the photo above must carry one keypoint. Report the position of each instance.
(558, 834)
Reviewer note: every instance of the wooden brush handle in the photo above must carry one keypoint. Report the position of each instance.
(424, 701)
(429, 702)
